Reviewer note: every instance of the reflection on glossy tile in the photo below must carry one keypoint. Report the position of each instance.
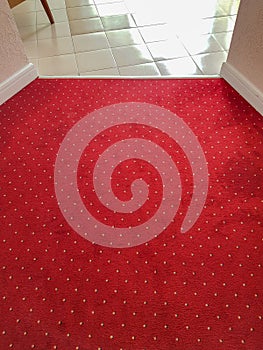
(124, 37)
(28, 32)
(131, 55)
(223, 24)
(203, 26)
(201, 44)
(224, 39)
(57, 30)
(90, 42)
(146, 69)
(83, 12)
(230, 7)
(59, 16)
(178, 67)
(128, 37)
(55, 4)
(78, 3)
(163, 50)
(95, 60)
(85, 26)
(117, 22)
(58, 65)
(210, 63)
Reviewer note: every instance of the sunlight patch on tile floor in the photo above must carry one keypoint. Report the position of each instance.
(124, 37)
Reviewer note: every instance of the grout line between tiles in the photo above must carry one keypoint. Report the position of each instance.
(220, 14)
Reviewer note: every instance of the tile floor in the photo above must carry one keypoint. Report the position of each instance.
(127, 37)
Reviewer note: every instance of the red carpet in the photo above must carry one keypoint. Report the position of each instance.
(131, 216)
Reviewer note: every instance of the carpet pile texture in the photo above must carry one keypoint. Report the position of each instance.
(131, 216)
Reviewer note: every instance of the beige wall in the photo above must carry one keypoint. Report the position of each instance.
(246, 50)
(12, 53)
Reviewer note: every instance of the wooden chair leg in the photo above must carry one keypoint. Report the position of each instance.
(48, 12)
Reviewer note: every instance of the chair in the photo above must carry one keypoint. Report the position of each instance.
(44, 3)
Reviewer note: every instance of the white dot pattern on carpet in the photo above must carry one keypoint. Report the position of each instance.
(75, 142)
(198, 289)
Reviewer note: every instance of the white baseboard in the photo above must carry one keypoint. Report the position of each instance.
(17, 82)
(243, 86)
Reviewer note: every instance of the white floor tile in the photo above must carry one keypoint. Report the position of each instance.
(56, 30)
(56, 4)
(124, 37)
(197, 44)
(142, 19)
(55, 47)
(28, 32)
(146, 69)
(85, 26)
(111, 9)
(58, 65)
(131, 55)
(59, 15)
(224, 39)
(118, 22)
(78, 3)
(24, 19)
(178, 67)
(156, 33)
(31, 48)
(82, 12)
(102, 72)
(128, 37)
(163, 50)
(25, 6)
(95, 60)
(90, 42)
(210, 63)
